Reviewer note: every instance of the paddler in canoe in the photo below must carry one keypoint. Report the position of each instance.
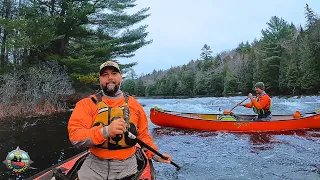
(261, 105)
(102, 121)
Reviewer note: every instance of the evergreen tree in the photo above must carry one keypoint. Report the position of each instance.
(151, 89)
(272, 52)
(129, 86)
(131, 74)
(216, 62)
(79, 34)
(206, 53)
(230, 83)
(310, 16)
(172, 84)
(187, 79)
(310, 63)
(202, 83)
(140, 88)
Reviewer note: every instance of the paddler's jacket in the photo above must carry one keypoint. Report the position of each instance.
(261, 105)
(82, 133)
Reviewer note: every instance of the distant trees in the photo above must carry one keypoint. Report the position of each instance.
(286, 59)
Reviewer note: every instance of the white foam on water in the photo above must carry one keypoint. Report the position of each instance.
(219, 104)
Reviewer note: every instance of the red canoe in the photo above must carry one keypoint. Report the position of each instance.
(242, 123)
(20, 164)
(68, 168)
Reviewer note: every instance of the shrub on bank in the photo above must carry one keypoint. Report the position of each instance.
(34, 91)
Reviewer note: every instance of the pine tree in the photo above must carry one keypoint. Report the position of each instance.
(230, 83)
(309, 50)
(129, 86)
(206, 53)
(8, 9)
(139, 88)
(310, 16)
(79, 34)
(293, 77)
(272, 52)
(310, 62)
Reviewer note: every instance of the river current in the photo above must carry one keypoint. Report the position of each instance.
(202, 155)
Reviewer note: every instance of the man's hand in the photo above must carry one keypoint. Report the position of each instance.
(117, 126)
(250, 96)
(226, 112)
(165, 161)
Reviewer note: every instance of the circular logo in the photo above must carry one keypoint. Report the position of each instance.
(18, 161)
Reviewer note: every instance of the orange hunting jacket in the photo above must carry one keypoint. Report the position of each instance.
(82, 134)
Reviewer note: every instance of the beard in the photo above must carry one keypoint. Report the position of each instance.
(111, 90)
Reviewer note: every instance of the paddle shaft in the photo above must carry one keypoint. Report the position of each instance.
(132, 136)
(238, 104)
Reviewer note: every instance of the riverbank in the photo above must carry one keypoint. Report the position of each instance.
(39, 109)
(25, 111)
(67, 103)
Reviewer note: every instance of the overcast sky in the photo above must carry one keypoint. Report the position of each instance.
(180, 28)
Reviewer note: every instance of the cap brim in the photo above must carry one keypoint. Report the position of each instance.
(116, 69)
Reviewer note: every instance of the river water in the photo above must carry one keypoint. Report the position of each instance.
(202, 155)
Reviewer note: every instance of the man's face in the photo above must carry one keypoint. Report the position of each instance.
(110, 80)
(258, 90)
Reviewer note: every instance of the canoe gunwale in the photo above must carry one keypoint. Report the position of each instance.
(45, 171)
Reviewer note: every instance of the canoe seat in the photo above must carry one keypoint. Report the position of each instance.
(227, 118)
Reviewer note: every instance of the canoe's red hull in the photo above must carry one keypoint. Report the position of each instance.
(192, 121)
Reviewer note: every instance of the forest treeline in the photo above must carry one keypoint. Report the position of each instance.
(286, 58)
(51, 49)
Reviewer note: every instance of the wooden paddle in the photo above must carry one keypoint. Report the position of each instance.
(227, 112)
(132, 136)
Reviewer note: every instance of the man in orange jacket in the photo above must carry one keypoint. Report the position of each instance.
(261, 104)
(101, 122)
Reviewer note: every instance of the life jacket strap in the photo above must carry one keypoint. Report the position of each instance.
(99, 98)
